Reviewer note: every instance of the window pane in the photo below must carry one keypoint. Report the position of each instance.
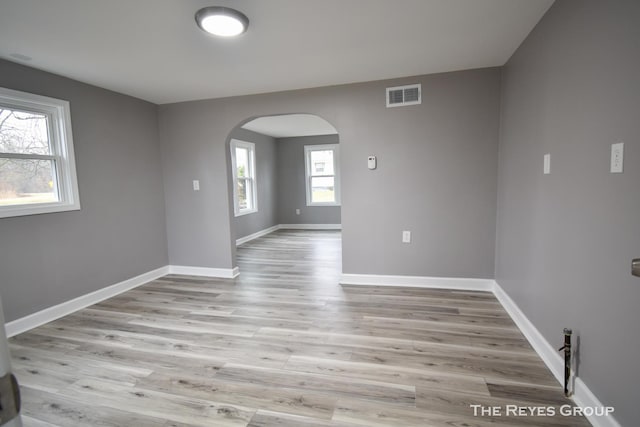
(245, 194)
(27, 181)
(250, 198)
(242, 194)
(322, 162)
(242, 162)
(323, 190)
(23, 132)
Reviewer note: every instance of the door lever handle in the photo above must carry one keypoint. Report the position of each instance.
(635, 267)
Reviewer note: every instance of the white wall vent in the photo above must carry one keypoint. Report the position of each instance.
(404, 95)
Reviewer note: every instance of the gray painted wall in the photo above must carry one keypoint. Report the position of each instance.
(436, 175)
(565, 240)
(266, 179)
(292, 190)
(119, 233)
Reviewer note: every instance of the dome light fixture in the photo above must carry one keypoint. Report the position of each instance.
(222, 21)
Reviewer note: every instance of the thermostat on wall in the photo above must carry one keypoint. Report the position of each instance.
(372, 162)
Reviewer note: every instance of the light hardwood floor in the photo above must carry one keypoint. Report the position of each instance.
(282, 345)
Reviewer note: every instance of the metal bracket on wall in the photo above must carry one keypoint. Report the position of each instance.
(635, 267)
(9, 398)
(567, 359)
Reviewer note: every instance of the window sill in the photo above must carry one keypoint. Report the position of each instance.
(247, 212)
(315, 205)
(25, 210)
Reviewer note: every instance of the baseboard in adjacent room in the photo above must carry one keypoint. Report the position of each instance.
(418, 282)
(257, 234)
(222, 273)
(50, 314)
(310, 226)
(269, 230)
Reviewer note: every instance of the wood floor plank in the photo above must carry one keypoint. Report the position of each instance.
(53, 409)
(195, 326)
(282, 345)
(46, 370)
(144, 358)
(214, 387)
(392, 375)
(459, 365)
(534, 395)
(265, 418)
(27, 421)
(450, 326)
(331, 384)
(152, 403)
(248, 321)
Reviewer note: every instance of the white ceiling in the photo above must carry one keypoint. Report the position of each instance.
(152, 49)
(288, 125)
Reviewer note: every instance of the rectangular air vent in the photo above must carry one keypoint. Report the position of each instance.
(404, 95)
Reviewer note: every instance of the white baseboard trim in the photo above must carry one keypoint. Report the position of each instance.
(545, 350)
(257, 234)
(418, 282)
(310, 226)
(222, 273)
(582, 395)
(50, 314)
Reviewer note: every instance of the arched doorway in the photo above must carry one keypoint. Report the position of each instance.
(284, 173)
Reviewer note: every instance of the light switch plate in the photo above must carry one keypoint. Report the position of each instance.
(547, 164)
(196, 185)
(617, 157)
(406, 237)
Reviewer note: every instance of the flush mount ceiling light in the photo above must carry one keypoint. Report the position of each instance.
(222, 21)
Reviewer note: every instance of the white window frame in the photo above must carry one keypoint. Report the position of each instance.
(62, 154)
(308, 149)
(252, 176)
